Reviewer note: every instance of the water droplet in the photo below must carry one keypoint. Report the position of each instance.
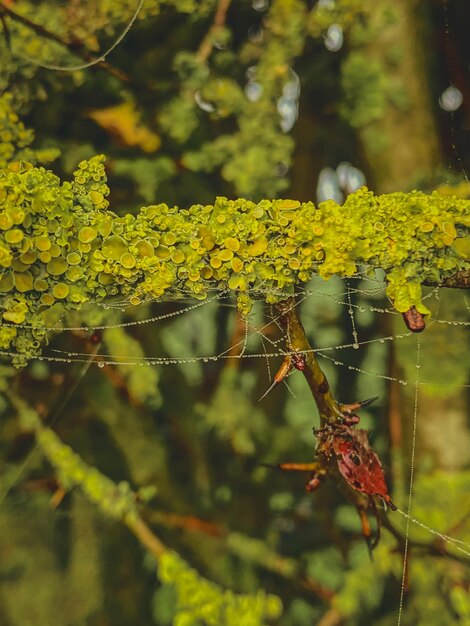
(202, 104)
(100, 363)
(451, 99)
(355, 346)
(327, 186)
(334, 38)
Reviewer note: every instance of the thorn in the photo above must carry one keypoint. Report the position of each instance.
(313, 483)
(387, 501)
(275, 383)
(366, 530)
(269, 465)
(370, 548)
(293, 467)
(364, 403)
(355, 406)
(282, 372)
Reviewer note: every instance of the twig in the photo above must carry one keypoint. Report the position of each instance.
(143, 533)
(73, 47)
(6, 31)
(219, 22)
(331, 618)
(459, 280)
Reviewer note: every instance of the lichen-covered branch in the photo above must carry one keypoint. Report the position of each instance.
(114, 500)
(60, 247)
(197, 597)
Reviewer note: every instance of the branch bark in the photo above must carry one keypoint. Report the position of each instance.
(460, 280)
(297, 340)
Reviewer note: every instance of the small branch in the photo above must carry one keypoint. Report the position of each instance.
(268, 559)
(207, 44)
(328, 407)
(116, 501)
(460, 280)
(190, 523)
(73, 47)
(331, 618)
(143, 533)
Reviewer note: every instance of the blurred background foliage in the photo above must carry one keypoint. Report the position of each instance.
(297, 98)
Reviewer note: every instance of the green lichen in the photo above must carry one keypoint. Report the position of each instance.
(115, 500)
(61, 246)
(346, 13)
(15, 139)
(200, 601)
(364, 85)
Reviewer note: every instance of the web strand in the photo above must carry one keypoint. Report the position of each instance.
(459, 545)
(99, 59)
(411, 484)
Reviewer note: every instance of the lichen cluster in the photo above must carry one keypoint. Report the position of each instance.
(60, 247)
(198, 599)
(15, 139)
(203, 602)
(114, 500)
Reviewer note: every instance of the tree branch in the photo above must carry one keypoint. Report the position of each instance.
(328, 407)
(460, 280)
(113, 500)
(75, 48)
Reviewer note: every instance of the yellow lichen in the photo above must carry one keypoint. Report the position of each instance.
(65, 245)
